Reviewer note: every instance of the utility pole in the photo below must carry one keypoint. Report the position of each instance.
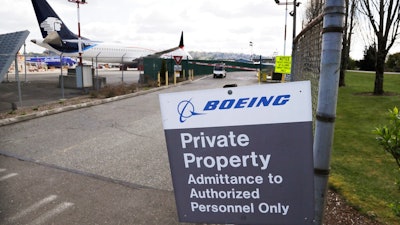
(332, 37)
(78, 2)
(79, 69)
(293, 13)
(251, 50)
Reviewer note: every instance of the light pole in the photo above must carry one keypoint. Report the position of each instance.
(78, 2)
(293, 13)
(251, 48)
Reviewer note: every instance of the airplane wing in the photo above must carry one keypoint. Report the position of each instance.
(176, 51)
(159, 54)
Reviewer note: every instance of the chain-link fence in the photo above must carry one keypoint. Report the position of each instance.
(307, 56)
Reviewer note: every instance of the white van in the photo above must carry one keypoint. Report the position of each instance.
(219, 71)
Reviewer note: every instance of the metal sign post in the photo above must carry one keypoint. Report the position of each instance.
(241, 155)
(177, 67)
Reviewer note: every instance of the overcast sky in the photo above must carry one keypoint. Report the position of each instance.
(208, 25)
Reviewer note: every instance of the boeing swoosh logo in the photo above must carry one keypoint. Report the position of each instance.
(186, 110)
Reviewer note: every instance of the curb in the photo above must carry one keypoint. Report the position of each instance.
(8, 121)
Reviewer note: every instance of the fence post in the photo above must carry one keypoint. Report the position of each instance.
(17, 79)
(166, 78)
(123, 67)
(158, 79)
(327, 100)
(174, 73)
(62, 76)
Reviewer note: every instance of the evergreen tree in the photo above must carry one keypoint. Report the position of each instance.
(368, 63)
(393, 63)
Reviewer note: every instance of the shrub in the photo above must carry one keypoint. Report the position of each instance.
(389, 138)
(389, 135)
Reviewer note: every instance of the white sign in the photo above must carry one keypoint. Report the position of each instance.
(177, 68)
(261, 104)
(241, 155)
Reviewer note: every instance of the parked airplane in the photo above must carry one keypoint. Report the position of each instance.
(58, 38)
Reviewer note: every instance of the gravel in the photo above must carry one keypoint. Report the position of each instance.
(338, 212)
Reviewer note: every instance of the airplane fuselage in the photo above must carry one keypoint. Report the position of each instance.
(103, 52)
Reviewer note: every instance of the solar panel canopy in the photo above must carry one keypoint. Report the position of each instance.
(10, 44)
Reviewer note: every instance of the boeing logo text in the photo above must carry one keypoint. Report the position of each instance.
(246, 102)
(186, 108)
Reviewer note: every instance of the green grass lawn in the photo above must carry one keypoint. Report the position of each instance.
(361, 170)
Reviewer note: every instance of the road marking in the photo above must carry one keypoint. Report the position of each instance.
(8, 176)
(33, 207)
(59, 209)
(2, 170)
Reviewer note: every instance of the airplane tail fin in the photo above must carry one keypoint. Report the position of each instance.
(52, 27)
(181, 45)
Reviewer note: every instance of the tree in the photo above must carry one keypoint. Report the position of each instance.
(369, 60)
(393, 62)
(352, 65)
(348, 31)
(313, 10)
(384, 19)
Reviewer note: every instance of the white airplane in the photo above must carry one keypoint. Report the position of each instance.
(58, 38)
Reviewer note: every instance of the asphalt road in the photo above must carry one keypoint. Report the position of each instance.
(106, 164)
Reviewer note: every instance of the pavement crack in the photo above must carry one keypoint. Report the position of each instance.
(83, 173)
(124, 129)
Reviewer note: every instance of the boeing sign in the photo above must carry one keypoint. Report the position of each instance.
(241, 155)
(273, 103)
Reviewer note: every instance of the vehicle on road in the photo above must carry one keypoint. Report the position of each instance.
(219, 71)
